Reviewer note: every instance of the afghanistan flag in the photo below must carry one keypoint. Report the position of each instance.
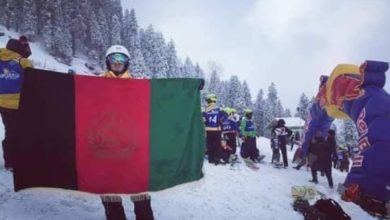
(104, 135)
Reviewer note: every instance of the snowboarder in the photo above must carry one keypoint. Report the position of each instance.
(13, 61)
(117, 61)
(283, 134)
(249, 149)
(212, 117)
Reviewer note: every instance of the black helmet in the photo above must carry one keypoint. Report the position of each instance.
(281, 122)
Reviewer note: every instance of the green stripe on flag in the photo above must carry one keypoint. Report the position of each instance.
(177, 137)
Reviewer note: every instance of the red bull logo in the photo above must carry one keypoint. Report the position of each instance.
(346, 87)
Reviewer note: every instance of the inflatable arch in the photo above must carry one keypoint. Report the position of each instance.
(357, 93)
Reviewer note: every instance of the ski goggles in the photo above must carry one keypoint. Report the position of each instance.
(117, 58)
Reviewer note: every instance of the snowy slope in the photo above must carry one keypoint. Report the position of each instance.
(42, 60)
(222, 194)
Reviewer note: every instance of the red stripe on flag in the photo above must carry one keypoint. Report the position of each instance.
(112, 134)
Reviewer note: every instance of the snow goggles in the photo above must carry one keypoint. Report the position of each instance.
(117, 58)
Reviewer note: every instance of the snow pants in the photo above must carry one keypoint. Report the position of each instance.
(249, 148)
(9, 118)
(213, 141)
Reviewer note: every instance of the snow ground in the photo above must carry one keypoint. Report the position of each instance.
(223, 193)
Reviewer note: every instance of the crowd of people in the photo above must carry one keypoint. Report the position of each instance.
(225, 131)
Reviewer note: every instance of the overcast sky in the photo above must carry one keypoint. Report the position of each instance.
(290, 43)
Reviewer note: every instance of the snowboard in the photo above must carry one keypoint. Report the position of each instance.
(260, 159)
(252, 165)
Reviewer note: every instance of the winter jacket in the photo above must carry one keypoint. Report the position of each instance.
(324, 150)
(110, 74)
(212, 117)
(316, 155)
(10, 62)
(247, 128)
(329, 152)
(282, 133)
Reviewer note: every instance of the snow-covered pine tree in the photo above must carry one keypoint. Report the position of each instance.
(96, 40)
(303, 107)
(247, 96)
(61, 39)
(154, 52)
(188, 69)
(213, 85)
(258, 113)
(115, 34)
(235, 95)
(223, 95)
(75, 23)
(104, 30)
(172, 60)
(29, 26)
(199, 72)
(159, 66)
(12, 9)
(279, 109)
(287, 113)
(349, 133)
(131, 40)
(46, 11)
(270, 109)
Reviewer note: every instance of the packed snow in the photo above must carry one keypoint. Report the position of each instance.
(223, 193)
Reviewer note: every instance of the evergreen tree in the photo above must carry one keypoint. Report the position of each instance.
(259, 113)
(154, 52)
(30, 19)
(199, 72)
(271, 106)
(349, 133)
(61, 38)
(279, 111)
(287, 113)
(131, 40)
(303, 107)
(247, 96)
(115, 30)
(76, 24)
(96, 40)
(235, 95)
(160, 63)
(46, 22)
(173, 61)
(222, 94)
(11, 14)
(104, 31)
(188, 69)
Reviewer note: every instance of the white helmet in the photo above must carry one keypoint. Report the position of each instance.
(118, 49)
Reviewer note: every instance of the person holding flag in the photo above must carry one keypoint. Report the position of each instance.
(117, 62)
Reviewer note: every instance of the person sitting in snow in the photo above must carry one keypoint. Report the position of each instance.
(230, 129)
(117, 61)
(249, 149)
(13, 62)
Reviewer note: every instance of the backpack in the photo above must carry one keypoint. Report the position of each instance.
(331, 209)
(323, 209)
(11, 74)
